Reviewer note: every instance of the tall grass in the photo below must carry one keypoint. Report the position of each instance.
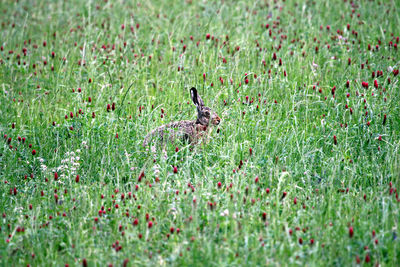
(299, 160)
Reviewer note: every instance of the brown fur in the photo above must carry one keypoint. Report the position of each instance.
(186, 130)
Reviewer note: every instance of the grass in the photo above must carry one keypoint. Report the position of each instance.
(285, 178)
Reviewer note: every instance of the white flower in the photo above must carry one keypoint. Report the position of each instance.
(225, 213)
(156, 169)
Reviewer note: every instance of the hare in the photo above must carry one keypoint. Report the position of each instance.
(186, 130)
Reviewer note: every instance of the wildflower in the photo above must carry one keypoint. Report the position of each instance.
(351, 231)
(367, 258)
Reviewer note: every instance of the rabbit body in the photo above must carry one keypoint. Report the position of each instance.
(185, 130)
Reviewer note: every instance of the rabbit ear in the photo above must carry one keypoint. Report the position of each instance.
(196, 98)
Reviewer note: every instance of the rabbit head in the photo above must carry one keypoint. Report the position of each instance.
(205, 115)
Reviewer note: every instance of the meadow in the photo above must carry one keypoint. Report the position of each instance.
(304, 168)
